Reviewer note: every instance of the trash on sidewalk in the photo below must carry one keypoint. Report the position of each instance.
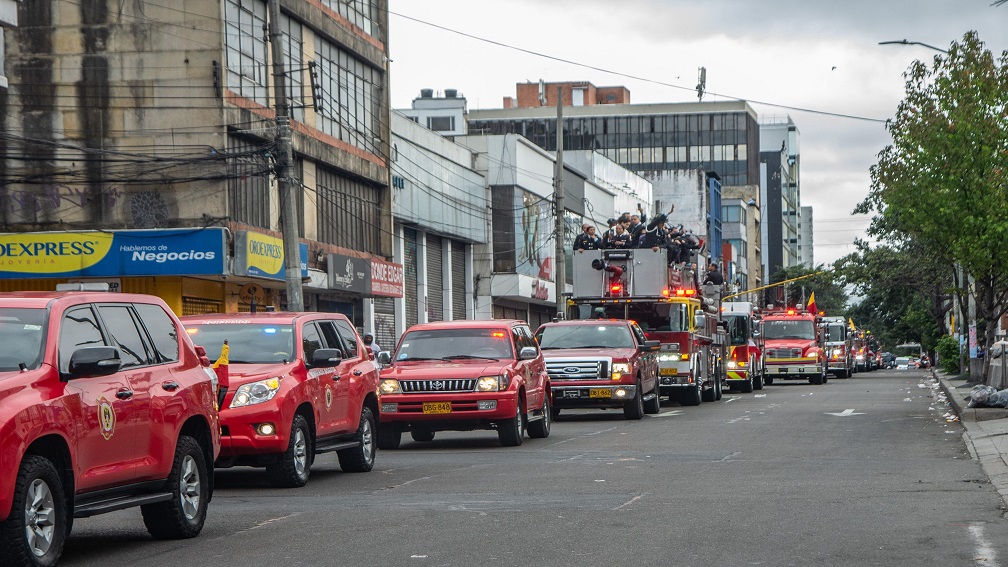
(987, 397)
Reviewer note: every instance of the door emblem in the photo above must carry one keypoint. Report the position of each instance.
(106, 418)
(328, 397)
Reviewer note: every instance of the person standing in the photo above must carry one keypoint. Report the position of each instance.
(371, 344)
(714, 275)
(587, 240)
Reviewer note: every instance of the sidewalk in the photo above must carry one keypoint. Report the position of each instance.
(986, 431)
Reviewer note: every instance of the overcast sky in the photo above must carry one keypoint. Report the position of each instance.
(815, 55)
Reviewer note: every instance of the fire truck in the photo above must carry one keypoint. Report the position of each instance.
(793, 346)
(669, 306)
(839, 347)
(745, 359)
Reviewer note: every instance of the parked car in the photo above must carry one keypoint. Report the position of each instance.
(904, 363)
(462, 376)
(605, 363)
(887, 360)
(297, 385)
(107, 404)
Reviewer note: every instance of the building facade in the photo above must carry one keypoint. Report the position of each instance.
(806, 256)
(135, 120)
(741, 220)
(780, 192)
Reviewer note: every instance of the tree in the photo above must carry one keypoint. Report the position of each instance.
(942, 182)
(829, 295)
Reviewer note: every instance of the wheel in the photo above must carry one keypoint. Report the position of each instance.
(634, 409)
(816, 380)
(37, 527)
(718, 385)
(422, 435)
(710, 394)
(825, 375)
(653, 405)
(388, 436)
(189, 483)
(362, 457)
(511, 432)
(768, 380)
(758, 381)
(747, 386)
(691, 396)
(540, 429)
(294, 466)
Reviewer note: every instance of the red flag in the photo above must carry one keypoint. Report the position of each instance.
(811, 303)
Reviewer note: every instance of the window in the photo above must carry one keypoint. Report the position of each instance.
(162, 331)
(248, 183)
(349, 337)
(350, 109)
(245, 45)
(441, 123)
(311, 340)
(79, 329)
(361, 13)
(348, 211)
(294, 66)
(332, 339)
(123, 332)
(578, 96)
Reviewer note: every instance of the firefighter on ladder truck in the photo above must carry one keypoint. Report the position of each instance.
(638, 284)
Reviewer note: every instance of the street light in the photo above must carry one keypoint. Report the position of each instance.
(908, 42)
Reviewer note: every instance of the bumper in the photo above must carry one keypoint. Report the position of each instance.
(592, 395)
(239, 435)
(465, 411)
(738, 375)
(793, 369)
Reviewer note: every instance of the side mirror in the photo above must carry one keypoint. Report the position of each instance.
(700, 321)
(385, 358)
(527, 353)
(651, 345)
(94, 361)
(325, 358)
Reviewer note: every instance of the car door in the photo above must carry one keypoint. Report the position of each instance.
(533, 369)
(321, 380)
(648, 360)
(340, 377)
(106, 424)
(358, 365)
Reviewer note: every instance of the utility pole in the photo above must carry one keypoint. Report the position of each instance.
(560, 271)
(284, 161)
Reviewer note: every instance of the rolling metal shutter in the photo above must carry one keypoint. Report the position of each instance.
(384, 323)
(410, 275)
(458, 281)
(435, 280)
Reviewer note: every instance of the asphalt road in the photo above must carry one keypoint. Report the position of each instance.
(770, 478)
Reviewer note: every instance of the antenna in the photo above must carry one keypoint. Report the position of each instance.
(701, 82)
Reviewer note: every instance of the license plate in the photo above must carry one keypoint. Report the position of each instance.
(437, 407)
(782, 371)
(600, 393)
(667, 371)
(571, 394)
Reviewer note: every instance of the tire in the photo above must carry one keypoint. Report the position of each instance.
(718, 387)
(653, 406)
(758, 382)
(362, 457)
(710, 394)
(768, 380)
(691, 397)
(825, 375)
(816, 380)
(388, 437)
(747, 386)
(511, 432)
(294, 465)
(189, 483)
(540, 429)
(38, 493)
(634, 409)
(422, 435)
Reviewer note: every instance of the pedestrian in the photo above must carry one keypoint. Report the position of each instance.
(714, 275)
(371, 344)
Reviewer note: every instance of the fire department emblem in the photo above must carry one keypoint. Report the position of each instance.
(328, 397)
(106, 418)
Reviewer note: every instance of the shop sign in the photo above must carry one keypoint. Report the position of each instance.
(96, 254)
(350, 274)
(262, 256)
(386, 278)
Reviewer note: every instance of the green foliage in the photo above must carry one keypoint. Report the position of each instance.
(948, 354)
(830, 295)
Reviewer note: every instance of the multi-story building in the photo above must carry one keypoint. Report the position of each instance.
(445, 115)
(652, 140)
(8, 19)
(140, 145)
(805, 243)
(741, 221)
(780, 193)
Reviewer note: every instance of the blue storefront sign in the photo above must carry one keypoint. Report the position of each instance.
(89, 254)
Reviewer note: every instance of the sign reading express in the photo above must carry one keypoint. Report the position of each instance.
(114, 253)
(262, 255)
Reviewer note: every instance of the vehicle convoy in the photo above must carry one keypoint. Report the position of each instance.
(666, 303)
(605, 363)
(839, 347)
(462, 376)
(745, 359)
(107, 405)
(793, 346)
(297, 385)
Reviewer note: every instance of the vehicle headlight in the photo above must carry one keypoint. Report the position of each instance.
(732, 364)
(860, 357)
(488, 384)
(837, 352)
(389, 386)
(256, 392)
(669, 357)
(619, 369)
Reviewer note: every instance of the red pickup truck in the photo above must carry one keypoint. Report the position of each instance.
(106, 405)
(297, 385)
(465, 375)
(601, 363)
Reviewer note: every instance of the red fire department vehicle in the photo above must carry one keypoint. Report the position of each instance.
(792, 344)
(637, 284)
(839, 347)
(745, 359)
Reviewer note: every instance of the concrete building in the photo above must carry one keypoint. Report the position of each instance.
(445, 115)
(155, 125)
(780, 192)
(8, 19)
(806, 250)
(741, 220)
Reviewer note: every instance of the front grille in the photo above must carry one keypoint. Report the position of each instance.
(415, 386)
(560, 370)
(783, 353)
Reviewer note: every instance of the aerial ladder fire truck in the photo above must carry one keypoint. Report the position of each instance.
(669, 306)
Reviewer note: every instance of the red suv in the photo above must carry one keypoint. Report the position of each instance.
(106, 405)
(461, 376)
(297, 384)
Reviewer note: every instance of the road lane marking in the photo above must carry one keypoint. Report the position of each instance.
(985, 554)
(845, 413)
(732, 399)
(629, 502)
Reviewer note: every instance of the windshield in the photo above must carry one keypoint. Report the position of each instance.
(908, 350)
(738, 329)
(250, 343)
(662, 317)
(835, 333)
(789, 330)
(586, 336)
(455, 344)
(22, 338)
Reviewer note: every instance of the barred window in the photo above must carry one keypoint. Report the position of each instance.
(294, 67)
(248, 183)
(245, 44)
(361, 13)
(350, 109)
(348, 212)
